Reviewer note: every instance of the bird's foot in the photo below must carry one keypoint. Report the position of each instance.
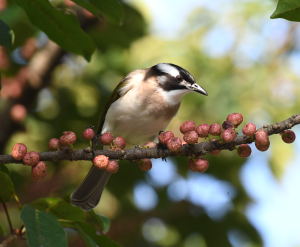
(161, 147)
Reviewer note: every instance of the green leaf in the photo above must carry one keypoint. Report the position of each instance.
(7, 190)
(6, 35)
(89, 242)
(112, 10)
(42, 229)
(44, 204)
(2, 231)
(85, 4)
(102, 220)
(4, 169)
(287, 9)
(60, 26)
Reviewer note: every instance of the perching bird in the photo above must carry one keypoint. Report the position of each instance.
(142, 105)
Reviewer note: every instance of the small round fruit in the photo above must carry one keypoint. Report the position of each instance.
(145, 164)
(249, 129)
(187, 126)
(201, 165)
(101, 162)
(227, 125)
(235, 118)
(119, 142)
(106, 138)
(53, 144)
(191, 137)
(262, 148)
(262, 137)
(203, 130)
(112, 166)
(174, 144)
(150, 145)
(288, 136)
(18, 151)
(191, 165)
(244, 150)
(228, 135)
(165, 137)
(31, 158)
(39, 171)
(214, 152)
(215, 129)
(88, 134)
(68, 138)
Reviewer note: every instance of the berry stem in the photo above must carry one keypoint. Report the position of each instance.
(18, 201)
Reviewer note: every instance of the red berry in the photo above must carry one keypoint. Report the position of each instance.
(244, 150)
(262, 137)
(112, 166)
(215, 129)
(235, 118)
(198, 165)
(191, 165)
(106, 138)
(187, 126)
(53, 144)
(145, 164)
(101, 162)
(203, 130)
(31, 158)
(288, 136)
(18, 151)
(174, 144)
(191, 137)
(227, 125)
(249, 129)
(228, 135)
(165, 137)
(150, 145)
(119, 142)
(39, 171)
(262, 148)
(88, 134)
(183, 143)
(214, 152)
(68, 138)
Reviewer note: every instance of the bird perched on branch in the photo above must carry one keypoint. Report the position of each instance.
(142, 105)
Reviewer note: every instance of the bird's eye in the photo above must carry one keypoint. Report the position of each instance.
(179, 78)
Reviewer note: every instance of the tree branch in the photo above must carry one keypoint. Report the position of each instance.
(7, 241)
(137, 153)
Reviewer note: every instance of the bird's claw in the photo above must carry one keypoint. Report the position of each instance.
(161, 147)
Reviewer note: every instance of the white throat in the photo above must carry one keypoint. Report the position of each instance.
(173, 97)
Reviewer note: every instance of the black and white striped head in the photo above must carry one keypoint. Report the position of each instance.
(174, 79)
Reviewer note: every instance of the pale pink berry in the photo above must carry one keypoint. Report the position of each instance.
(174, 144)
(191, 165)
(187, 126)
(150, 145)
(191, 137)
(203, 130)
(288, 136)
(112, 166)
(198, 165)
(101, 162)
(165, 137)
(227, 125)
(214, 152)
(68, 138)
(88, 134)
(262, 137)
(53, 144)
(106, 138)
(215, 129)
(119, 142)
(262, 148)
(31, 158)
(228, 135)
(18, 151)
(235, 118)
(145, 164)
(39, 171)
(183, 143)
(249, 129)
(244, 150)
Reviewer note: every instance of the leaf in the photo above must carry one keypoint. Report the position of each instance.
(287, 9)
(4, 169)
(89, 242)
(6, 35)
(44, 204)
(2, 231)
(85, 4)
(63, 28)
(7, 190)
(42, 229)
(102, 220)
(112, 10)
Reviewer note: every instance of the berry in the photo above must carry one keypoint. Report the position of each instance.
(150, 145)
(215, 129)
(191, 137)
(31, 158)
(53, 144)
(244, 150)
(18, 112)
(187, 126)
(183, 143)
(198, 165)
(106, 138)
(112, 166)
(228, 135)
(101, 162)
(249, 129)
(262, 148)
(288, 136)
(203, 130)
(262, 137)
(191, 165)
(88, 134)
(145, 164)
(227, 125)
(214, 152)
(119, 142)
(68, 138)
(165, 137)
(174, 144)
(235, 118)
(39, 171)
(18, 151)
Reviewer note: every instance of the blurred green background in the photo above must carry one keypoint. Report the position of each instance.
(246, 62)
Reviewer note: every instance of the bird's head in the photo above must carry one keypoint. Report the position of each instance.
(173, 81)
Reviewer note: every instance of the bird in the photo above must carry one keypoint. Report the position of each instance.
(140, 107)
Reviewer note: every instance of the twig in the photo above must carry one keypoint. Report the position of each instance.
(8, 219)
(136, 153)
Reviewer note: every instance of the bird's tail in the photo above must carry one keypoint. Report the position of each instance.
(87, 195)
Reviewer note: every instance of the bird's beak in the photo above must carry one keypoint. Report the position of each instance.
(196, 88)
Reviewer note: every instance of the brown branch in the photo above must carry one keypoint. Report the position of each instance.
(137, 153)
(8, 218)
(7, 241)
